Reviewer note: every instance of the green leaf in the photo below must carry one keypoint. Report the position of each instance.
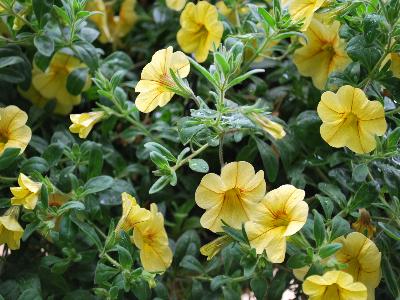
(95, 161)
(390, 231)
(34, 164)
(236, 234)
(104, 273)
(159, 160)
(98, 184)
(88, 231)
(10, 60)
(152, 146)
(44, 196)
(220, 60)
(76, 81)
(319, 228)
(198, 165)
(266, 16)
(71, 205)
(41, 8)
(203, 72)
(329, 250)
(360, 172)
(269, 159)
(390, 277)
(339, 227)
(365, 196)
(298, 260)
(191, 263)
(243, 77)
(218, 281)
(327, 205)
(333, 192)
(53, 153)
(8, 157)
(44, 44)
(159, 184)
(124, 258)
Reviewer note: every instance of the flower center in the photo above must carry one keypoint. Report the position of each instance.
(281, 219)
(332, 291)
(233, 195)
(328, 48)
(351, 119)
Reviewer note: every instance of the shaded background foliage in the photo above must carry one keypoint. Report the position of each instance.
(67, 263)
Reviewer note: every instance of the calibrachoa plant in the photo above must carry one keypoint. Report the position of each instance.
(200, 150)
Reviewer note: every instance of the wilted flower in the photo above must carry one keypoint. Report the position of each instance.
(214, 247)
(52, 84)
(364, 223)
(350, 119)
(274, 129)
(177, 5)
(132, 213)
(334, 285)
(231, 197)
(152, 240)
(156, 84)
(322, 54)
(10, 230)
(303, 10)
(83, 123)
(281, 213)
(200, 29)
(27, 194)
(13, 131)
(363, 259)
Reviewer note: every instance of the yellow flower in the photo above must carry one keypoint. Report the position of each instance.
(363, 259)
(13, 131)
(334, 285)
(350, 119)
(364, 223)
(200, 29)
(83, 123)
(177, 5)
(323, 54)
(274, 129)
(281, 213)
(27, 194)
(156, 82)
(132, 213)
(229, 13)
(112, 28)
(231, 197)
(100, 20)
(10, 230)
(214, 247)
(52, 84)
(303, 10)
(152, 240)
(124, 22)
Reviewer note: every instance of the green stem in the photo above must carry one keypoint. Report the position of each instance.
(394, 111)
(112, 260)
(194, 154)
(8, 178)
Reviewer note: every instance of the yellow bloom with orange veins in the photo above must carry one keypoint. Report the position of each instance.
(156, 83)
(334, 285)
(52, 84)
(100, 19)
(83, 123)
(303, 10)
(13, 131)
(323, 54)
(364, 224)
(200, 29)
(363, 259)
(10, 230)
(281, 213)
(350, 120)
(231, 197)
(132, 213)
(177, 5)
(274, 129)
(152, 240)
(27, 194)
